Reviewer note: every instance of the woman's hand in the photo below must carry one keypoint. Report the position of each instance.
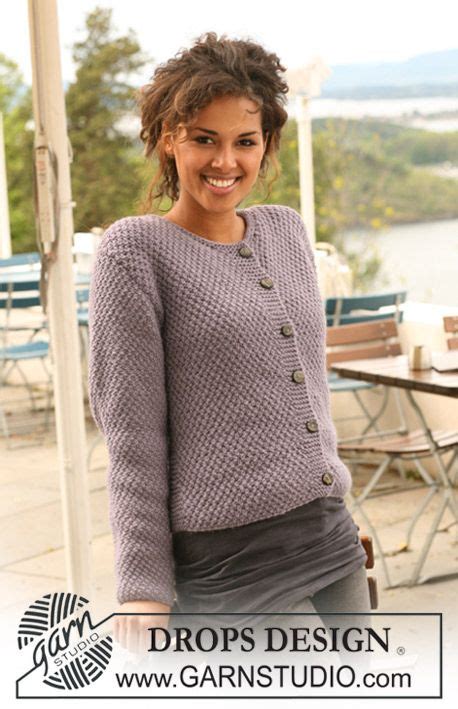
(132, 631)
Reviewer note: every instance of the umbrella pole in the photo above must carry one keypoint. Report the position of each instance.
(5, 236)
(304, 137)
(56, 234)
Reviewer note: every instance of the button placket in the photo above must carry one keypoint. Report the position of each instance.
(278, 315)
(288, 346)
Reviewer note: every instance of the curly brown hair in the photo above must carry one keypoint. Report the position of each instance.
(182, 86)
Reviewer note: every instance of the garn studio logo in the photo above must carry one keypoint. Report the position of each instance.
(65, 645)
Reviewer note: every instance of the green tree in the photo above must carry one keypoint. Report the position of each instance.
(16, 107)
(106, 169)
(282, 188)
(337, 167)
(350, 178)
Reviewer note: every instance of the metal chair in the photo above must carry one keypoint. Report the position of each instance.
(18, 295)
(412, 446)
(404, 446)
(362, 308)
(22, 264)
(19, 291)
(19, 260)
(356, 309)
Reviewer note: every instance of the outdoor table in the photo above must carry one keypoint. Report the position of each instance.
(395, 371)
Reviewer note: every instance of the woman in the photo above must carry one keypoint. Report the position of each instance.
(207, 368)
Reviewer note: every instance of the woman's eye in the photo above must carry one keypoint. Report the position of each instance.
(206, 140)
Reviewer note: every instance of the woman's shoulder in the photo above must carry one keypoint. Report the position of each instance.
(132, 237)
(131, 244)
(131, 228)
(278, 216)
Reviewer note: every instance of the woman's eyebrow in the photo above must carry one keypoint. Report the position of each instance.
(214, 132)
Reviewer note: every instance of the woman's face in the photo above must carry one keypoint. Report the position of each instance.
(218, 157)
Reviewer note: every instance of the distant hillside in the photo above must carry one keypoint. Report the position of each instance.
(363, 93)
(435, 73)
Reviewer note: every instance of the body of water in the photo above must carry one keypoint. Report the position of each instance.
(421, 258)
(415, 112)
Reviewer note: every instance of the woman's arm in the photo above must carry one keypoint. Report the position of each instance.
(128, 401)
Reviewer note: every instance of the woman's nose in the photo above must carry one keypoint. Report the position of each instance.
(224, 159)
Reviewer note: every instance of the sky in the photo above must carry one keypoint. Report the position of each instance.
(338, 31)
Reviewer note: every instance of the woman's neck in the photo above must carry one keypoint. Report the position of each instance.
(226, 228)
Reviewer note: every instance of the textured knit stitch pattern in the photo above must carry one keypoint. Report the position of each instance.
(191, 382)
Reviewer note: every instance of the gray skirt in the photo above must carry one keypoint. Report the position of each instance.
(265, 566)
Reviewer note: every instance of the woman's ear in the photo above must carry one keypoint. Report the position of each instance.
(167, 144)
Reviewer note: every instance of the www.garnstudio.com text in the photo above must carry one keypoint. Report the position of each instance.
(262, 676)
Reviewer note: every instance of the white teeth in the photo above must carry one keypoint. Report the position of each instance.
(220, 183)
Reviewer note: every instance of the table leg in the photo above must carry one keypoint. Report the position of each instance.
(447, 492)
(417, 516)
(414, 579)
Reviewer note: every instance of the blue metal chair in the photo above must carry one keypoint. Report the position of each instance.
(363, 308)
(26, 259)
(18, 292)
(355, 309)
(21, 264)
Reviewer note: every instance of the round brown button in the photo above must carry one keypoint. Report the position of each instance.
(311, 426)
(266, 282)
(298, 376)
(245, 251)
(327, 478)
(286, 329)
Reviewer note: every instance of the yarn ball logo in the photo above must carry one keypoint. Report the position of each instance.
(70, 653)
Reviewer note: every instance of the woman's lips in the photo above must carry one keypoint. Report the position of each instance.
(220, 190)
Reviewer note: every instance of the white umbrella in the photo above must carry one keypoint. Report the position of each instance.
(56, 232)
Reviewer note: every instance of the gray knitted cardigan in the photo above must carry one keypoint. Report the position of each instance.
(208, 381)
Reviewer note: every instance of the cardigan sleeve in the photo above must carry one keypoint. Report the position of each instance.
(127, 394)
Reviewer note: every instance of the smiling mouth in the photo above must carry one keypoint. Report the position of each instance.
(219, 182)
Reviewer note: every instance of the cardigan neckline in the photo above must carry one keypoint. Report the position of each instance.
(247, 215)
